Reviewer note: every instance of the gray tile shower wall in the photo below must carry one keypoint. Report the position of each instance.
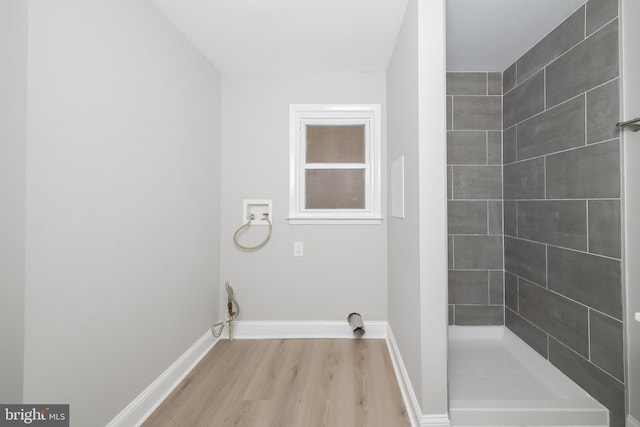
(474, 159)
(561, 207)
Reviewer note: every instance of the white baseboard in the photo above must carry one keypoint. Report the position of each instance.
(414, 411)
(143, 406)
(408, 395)
(437, 420)
(632, 422)
(248, 329)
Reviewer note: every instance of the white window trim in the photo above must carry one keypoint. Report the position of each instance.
(302, 114)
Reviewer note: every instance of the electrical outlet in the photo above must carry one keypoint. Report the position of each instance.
(298, 249)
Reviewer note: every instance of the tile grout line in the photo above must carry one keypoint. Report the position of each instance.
(565, 101)
(588, 361)
(581, 41)
(453, 253)
(586, 119)
(584, 34)
(589, 334)
(553, 291)
(452, 115)
(486, 83)
(563, 151)
(544, 89)
(488, 288)
(587, 224)
(546, 266)
(567, 249)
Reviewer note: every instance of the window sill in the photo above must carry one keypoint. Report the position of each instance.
(335, 221)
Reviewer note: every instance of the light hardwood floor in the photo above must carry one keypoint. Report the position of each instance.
(288, 383)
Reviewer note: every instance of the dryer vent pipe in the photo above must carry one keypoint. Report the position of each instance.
(355, 321)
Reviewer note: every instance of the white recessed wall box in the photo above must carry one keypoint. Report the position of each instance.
(255, 210)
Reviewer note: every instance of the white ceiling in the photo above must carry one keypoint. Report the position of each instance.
(333, 36)
(326, 36)
(490, 35)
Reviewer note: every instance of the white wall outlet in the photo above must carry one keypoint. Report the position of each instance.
(298, 248)
(255, 210)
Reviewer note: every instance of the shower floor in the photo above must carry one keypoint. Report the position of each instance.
(495, 379)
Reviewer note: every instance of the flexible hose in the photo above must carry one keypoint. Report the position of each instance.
(217, 328)
(247, 225)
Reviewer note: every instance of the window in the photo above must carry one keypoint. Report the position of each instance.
(335, 164)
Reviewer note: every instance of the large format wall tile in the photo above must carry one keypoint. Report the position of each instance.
(470, 315)
(587, 172)
(468, 287)
(591, 63)
(477, 113)
(554, 130)
(603, 112)
(496, 287)
(562, 223)
(477, 182)
(467, 83)
(509, 78)
(526, 259)
(560, 40)
(605, 235)
(560, 317)
(589, 279)
(509, 152)
(527, 331)
(494, 209)
(494, 83)
(524, 101)
(606, 343)
(478, 252)
(466, 147)
(494, 147)
(511, 291)
(594, 381)
(524, 180)
(467, 217)
(599, 12)
(510, 216)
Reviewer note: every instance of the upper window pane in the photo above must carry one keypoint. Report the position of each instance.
(335, 143)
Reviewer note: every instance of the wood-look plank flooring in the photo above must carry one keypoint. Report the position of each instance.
(288, 383)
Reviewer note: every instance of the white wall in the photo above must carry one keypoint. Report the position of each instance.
(433, 204)
(344, 266)
(13, 138)
(404, 242)
(417, 243)
(631, 108)
(122, 259)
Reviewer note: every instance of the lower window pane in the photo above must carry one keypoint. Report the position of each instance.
(335, 189)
